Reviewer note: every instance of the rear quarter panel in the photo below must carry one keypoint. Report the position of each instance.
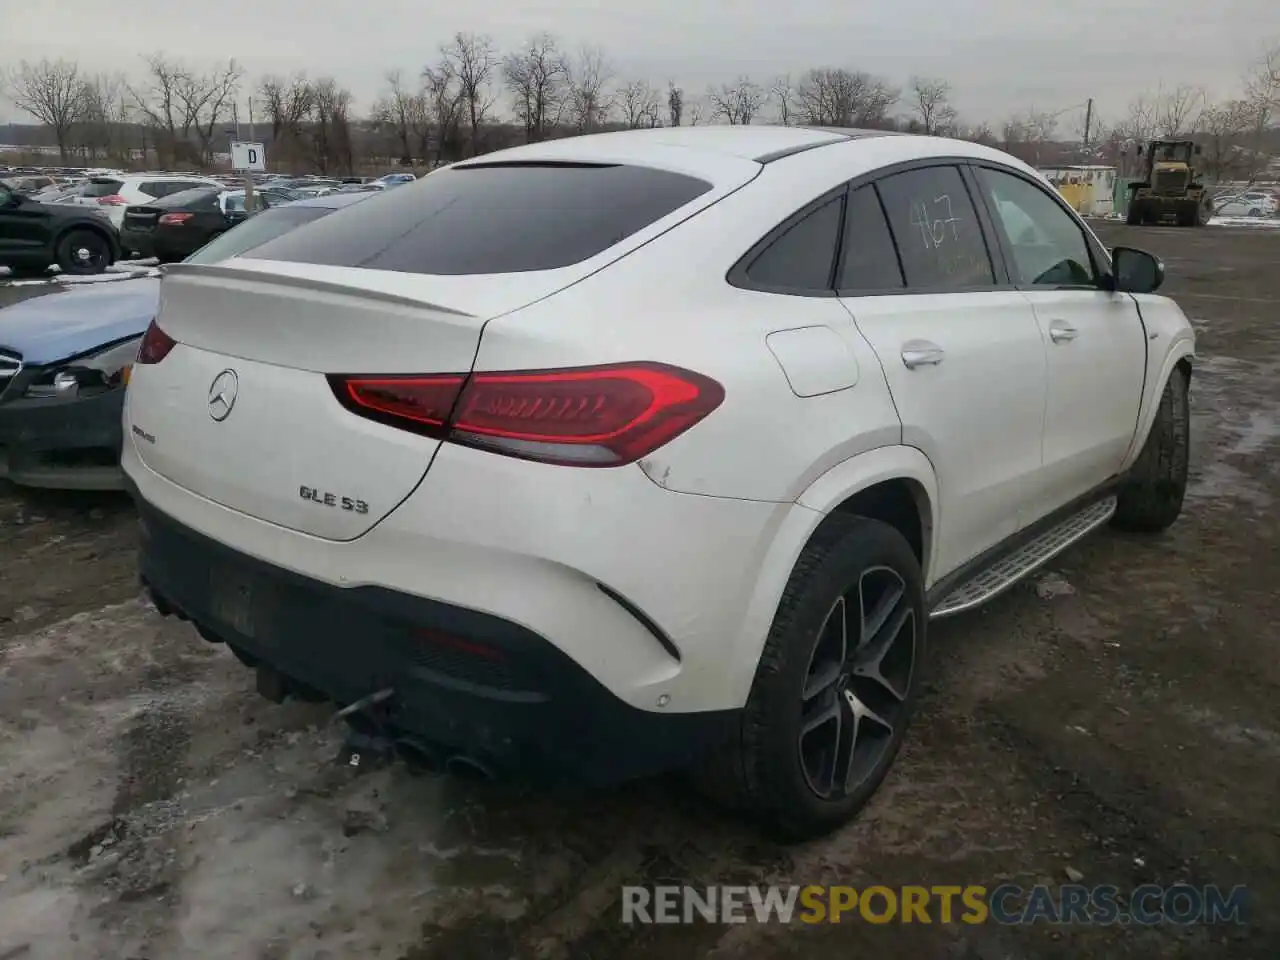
(669, 301)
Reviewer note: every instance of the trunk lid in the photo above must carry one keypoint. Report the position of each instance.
(286, 451)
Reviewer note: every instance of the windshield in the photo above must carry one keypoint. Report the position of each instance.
(257, 230)
(1175, 153)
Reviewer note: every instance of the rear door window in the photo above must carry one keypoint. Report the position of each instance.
(492, 218)
(936, 229)
(869, 261)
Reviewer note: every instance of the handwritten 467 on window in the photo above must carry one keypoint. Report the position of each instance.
(934, 218)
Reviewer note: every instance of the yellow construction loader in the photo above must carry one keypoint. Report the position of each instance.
(1169, 192)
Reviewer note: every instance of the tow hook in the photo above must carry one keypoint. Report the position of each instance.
(368, 744)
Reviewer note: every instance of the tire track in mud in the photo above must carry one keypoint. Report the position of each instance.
(660, 833)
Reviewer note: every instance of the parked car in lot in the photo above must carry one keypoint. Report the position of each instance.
(34, 236)
(1245, 205)
(176, 226)
(114, 193)
(651, 448)
(29, 184)
(65, 359)
(61, 192)
(396, 179)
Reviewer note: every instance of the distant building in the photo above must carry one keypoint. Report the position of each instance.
(1088, 187)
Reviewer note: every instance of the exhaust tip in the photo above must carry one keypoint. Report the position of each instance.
(469, 768)
(419, 757)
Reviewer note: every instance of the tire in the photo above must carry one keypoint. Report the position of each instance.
(84, 252)
(772, 772)
(1150, 498)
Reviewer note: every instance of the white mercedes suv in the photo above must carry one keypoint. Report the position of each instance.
(613, 454)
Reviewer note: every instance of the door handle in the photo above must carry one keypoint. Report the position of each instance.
(921, 353)
(1060, 332)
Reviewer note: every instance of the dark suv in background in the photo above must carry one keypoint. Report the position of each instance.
(34, 236)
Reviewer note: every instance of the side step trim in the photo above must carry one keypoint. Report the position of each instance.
(1012, 567)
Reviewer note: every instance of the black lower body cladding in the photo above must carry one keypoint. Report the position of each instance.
(465, 684)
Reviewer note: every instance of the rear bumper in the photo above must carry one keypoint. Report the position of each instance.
(162, 243)
(68, 444)
(466, 682)
(140, 241)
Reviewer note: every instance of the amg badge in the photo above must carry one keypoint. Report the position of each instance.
(333, 500)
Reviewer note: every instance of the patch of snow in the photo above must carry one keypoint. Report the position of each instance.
(1053, 585)
(110, 277)
(1272, 223)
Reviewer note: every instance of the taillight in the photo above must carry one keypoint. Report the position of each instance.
(585, 416)
(155, 345)
(175, 219)
(115, 200)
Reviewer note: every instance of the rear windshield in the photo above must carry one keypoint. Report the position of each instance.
(103, 187)
(492, 218)
(201, 198)
(256, 230)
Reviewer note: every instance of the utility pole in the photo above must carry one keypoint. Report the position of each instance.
(1088, 123)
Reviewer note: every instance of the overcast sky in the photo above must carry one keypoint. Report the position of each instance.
(1001, 56)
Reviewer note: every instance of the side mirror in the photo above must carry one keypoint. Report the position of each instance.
(1136, 271)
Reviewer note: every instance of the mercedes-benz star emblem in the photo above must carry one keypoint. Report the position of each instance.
(222, 394)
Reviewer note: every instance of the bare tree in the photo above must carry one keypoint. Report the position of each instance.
(639, 105)
(473, 60)
(695, 113)
(444, 105)
(1224, 131)
(538, 80)
(738, 102)
(835, 97)
(675, 104)
(330, 126)
(1141, 120)
(396, 111)
(982, 133)
(1178, 111)
(105, 110)
(1026, 135)
(161, 107)
(205, 99)
(288, 105)
(589, 100)
(1262, 90)
(1135, 130)
(783, 93)
(52, 91)
(931, 101)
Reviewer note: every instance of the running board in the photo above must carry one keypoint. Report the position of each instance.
(1009, 569)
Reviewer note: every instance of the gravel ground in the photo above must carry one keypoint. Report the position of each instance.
(1116, 716)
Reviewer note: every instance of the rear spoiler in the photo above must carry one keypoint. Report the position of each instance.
(221, 271)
